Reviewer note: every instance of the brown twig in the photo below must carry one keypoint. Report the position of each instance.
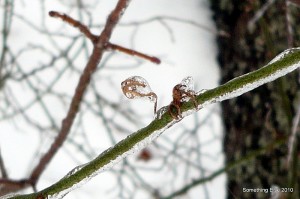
(9, 185)
(99, 48)
(128, 51)
(83, 28)
(109, 46)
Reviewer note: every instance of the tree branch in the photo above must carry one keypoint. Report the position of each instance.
(282, 64)
(99, 48)
(101, 44)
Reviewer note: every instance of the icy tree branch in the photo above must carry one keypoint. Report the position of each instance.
(282, 64)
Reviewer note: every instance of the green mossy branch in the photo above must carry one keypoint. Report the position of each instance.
(289, 62)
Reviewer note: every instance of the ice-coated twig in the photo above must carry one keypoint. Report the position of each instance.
(281, 65)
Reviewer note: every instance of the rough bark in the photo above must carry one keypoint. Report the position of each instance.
(264, 115)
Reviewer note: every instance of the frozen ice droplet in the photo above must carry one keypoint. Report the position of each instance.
(201, 91)
(160, 112)
(185, 89)
(137, 87)
(10, 195)
(188, 84)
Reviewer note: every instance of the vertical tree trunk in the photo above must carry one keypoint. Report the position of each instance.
(263, 117)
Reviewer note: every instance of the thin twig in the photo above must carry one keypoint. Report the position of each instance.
(295, 2)
(128, 51)
(290, 33)
(2, 167)
(77, 24)
(109, 46)
(99, 48)
(260, 13)
(292, 138)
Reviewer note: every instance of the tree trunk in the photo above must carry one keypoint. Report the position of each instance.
(261, 118)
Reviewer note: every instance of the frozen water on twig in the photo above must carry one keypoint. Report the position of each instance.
(188, 84)
(137, 147)
(137, 87)
(139, 83)
(239, 90)
(283, 54)
(160, 112)
(9, 196)
(201, 91)
(258, 82)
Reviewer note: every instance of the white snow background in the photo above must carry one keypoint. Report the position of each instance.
(181, 33)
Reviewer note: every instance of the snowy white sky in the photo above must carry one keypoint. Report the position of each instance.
(185, 48)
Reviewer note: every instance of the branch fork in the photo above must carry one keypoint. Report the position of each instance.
(93, 38)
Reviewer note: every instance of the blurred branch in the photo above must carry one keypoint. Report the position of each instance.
(260, 13)
(163, 19)
(292, 162)
(7, 18)
(243, 160)
(290, 33)
(292, 139)
(3, 173)
(281, 65)
(99, 48)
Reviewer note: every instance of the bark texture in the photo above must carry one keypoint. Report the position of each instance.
(263, 116)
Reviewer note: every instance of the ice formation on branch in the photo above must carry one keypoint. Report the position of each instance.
(136, 87)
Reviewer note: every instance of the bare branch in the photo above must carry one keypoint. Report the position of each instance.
(2, 167)
(131, 52)
(99, 48)
(84, 29)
